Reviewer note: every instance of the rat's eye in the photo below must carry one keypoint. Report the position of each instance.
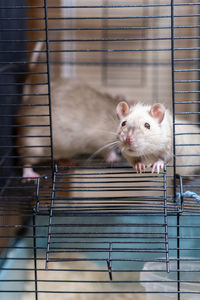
(124, 123)
(147, 125)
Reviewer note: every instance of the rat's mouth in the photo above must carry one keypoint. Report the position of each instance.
(130, 150)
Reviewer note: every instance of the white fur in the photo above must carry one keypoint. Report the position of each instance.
(155, 144)
(83, 122)
(148, 143)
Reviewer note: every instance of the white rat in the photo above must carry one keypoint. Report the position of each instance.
(145, 138)
(83, 121)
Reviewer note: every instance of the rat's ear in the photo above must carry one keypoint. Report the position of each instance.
(122, 109)
(158, 111)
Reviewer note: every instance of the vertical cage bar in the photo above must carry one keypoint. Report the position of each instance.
(104, 73)
(155, 75)
(174, 143)
(178, 256)
(109, 262)
(49, 83)
(144, 45)
(51, 216)
(35, 257)
(173, 94)
(165, 219)
(68, 56)
(37, 194)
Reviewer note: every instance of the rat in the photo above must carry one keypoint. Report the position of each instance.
(145, 138)
(83, 121)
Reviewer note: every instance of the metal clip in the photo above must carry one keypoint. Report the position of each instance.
(37, 195)
(179, 196)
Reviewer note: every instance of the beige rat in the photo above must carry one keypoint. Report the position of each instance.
(145, 138)
(83, 122)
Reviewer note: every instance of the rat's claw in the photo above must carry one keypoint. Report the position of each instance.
(139, 167)
(157, 166)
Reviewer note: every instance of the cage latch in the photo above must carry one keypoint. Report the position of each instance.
(37, 202)
(179, 196)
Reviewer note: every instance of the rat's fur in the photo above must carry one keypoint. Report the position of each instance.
(149, 146)
(82, 117)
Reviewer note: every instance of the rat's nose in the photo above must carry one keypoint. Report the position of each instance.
(129, 139)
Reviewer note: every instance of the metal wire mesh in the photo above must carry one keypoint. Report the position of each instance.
(86, 227)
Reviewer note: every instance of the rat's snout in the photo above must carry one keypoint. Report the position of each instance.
(130, 138)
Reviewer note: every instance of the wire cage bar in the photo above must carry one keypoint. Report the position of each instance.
(83, 226)
(106, 206)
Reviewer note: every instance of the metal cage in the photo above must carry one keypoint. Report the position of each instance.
(87, 229)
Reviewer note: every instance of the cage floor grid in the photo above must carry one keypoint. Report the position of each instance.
(87, 212)
(99, 213)
(97, 189)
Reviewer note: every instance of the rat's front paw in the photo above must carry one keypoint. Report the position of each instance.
(157, 166)
(113, 157)
(139, 167)
(29, 175)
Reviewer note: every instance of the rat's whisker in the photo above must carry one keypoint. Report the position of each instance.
(102, 148)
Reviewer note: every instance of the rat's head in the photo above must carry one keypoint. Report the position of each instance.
(139, 132)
